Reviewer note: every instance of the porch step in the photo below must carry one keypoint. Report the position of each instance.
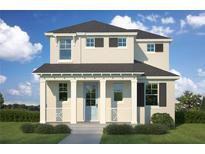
(85, 128)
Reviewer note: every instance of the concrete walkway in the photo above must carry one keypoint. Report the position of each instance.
(84, 134)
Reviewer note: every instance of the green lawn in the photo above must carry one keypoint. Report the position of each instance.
(186, 133)
(10, 132)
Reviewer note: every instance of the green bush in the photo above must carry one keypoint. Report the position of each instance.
(151, 129)
(27, 128)
(11, 115)
(190, 117)
(179, 117)
(118, 129)
(62, 129)
(164, 119)
(45, 129)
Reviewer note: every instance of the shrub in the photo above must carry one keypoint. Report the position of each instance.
(190, 117)
(11, 115)
(179, 117)
(164, 119)
(118, 129)
(45, 129)
(27, 128)
(62, 129)
(151, 129)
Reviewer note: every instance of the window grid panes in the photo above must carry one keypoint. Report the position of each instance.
(90, 96)
(118, 92)
(151, 47)
(65, 49)
(152, 94)
(90, 42)
(63, 92)
(121, 42)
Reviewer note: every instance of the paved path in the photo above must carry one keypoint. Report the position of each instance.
(84, 134)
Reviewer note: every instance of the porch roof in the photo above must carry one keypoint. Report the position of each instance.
(135, 67)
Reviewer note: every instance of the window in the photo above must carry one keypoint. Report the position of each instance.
(151, 47)
(152, 94)
(118, 92)
(121, 42)
(90, 42)
(65, 49)
(90, 95)
(63, 92)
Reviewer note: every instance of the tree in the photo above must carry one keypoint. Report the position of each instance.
(190, 101)
(1, 99)
(203, 104)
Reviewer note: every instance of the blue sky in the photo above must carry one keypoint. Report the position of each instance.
(24, 47)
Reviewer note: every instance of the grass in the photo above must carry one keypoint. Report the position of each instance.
(183, 134)
(10, 132)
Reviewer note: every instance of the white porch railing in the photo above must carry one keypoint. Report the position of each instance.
(57, 114)
(118, 114)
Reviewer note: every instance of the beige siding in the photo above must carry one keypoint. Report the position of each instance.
(82, 54)
(145, 113)
(124, 108)
(157, 59)
(52, 100)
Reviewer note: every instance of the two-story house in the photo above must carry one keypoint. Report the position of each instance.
(103, 73)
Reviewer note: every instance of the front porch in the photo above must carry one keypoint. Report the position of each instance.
(100, 98)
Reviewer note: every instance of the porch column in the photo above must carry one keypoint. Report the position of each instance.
(73, 102)
(134, 100)
(102, 100)
(42, 100)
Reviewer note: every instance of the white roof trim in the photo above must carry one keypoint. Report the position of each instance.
(92, 34)
(161, 77)
(153, 40)
(92, 73)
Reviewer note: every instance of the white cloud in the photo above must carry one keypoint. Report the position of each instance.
(162, 30)
(151, 17)
(35, 77)
(2, 79)
(182, 24)
(23, 89)
(196, 21)
(201, 72)
(185, 83)
(126, 22)
(15, 44)
(168, 20)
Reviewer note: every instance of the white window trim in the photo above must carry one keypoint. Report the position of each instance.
(145, 103)
(122, 47)
(89, 47)
(65, 60)
(151, 52)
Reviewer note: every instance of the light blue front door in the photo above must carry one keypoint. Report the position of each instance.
(91, 105)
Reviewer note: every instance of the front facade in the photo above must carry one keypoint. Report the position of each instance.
(103, 73)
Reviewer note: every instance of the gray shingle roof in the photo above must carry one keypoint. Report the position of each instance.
(79, 68)
(96, 26)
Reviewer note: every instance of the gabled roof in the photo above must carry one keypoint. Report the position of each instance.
(96, 26)
(79, 68)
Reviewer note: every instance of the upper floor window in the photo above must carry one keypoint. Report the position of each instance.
(152, 94)
(63, 92)
(151, 47)
(65, 48)
(117, 42)
(121, 42)
(90, 42)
